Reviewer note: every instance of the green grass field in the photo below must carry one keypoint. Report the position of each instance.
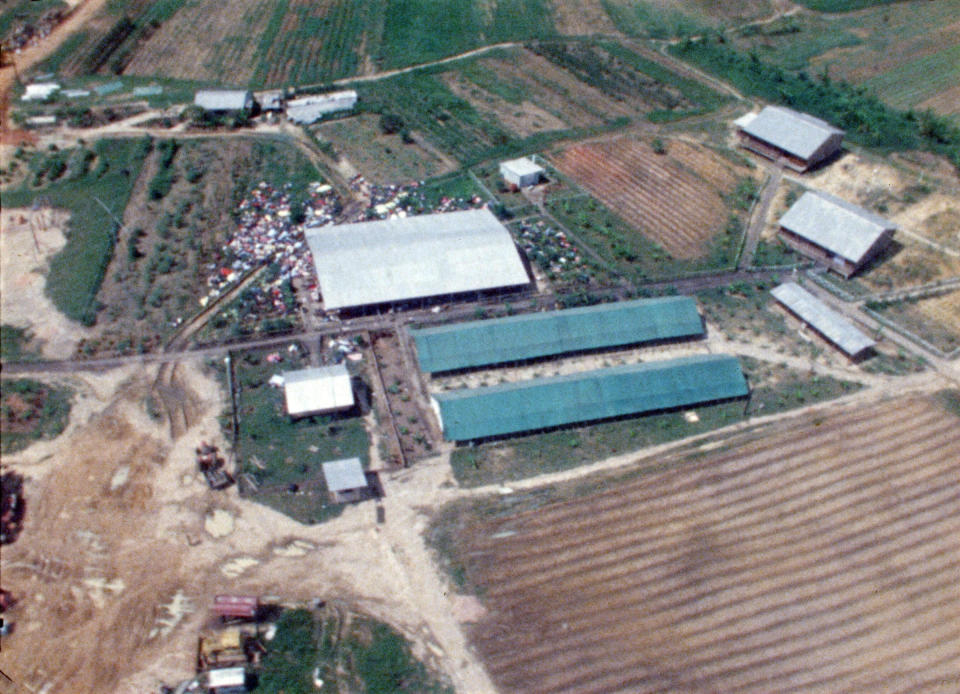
(359, 655)
(918, 80)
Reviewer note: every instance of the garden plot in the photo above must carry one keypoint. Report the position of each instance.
(752, 569)
(674, 198)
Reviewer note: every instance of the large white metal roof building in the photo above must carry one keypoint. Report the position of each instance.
(829, 323)
(844, 231)
(317, 390)
(405, 258)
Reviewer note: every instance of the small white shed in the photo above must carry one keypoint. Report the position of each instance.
(521, 172)
(317, 390)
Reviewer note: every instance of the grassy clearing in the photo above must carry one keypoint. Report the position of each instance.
(918, 80)
(792, 42)
(278, 452)
(908, 313)
(360, 655)
(31, 411)
(95, 196)
(774, 388)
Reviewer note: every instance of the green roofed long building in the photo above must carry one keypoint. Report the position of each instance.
(478, 413)
(533, 335)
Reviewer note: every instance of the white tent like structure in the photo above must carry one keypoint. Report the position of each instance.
(317, 390)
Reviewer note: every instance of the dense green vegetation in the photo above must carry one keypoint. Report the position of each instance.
(843, 5)
(362, 655)
(96, 198)
(867, 120)
(418, 32)
(30, 411)
(13, 343)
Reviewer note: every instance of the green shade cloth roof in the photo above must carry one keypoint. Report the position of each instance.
(499, 340)
(475, 413)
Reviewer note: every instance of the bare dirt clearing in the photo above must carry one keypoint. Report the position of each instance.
(28, 239)
(821, 555)
(124, 548)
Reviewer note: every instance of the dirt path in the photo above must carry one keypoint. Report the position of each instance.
(759, 218)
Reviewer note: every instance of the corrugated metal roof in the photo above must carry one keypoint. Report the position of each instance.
(342, 475)
(520, 167)
(226, 677)
(310, 108)
(465, 345)
(832, 325)
(319, 389)
(476, 413)
(412, 257)
(799, 134)
(223, 99)
(841, 227)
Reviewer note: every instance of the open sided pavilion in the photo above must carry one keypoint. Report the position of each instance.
(478, 413)
(404, 258)
(830, 324)
(534, 335)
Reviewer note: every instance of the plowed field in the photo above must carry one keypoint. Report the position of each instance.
(822, 557)
(674, 198)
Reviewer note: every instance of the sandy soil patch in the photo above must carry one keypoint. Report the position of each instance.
(524, 119)
(858, 180)
(936, 217)
(23, 266)
(944, 309)
(124, 548)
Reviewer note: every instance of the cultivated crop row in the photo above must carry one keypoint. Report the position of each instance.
(821, 556)
(674, 205)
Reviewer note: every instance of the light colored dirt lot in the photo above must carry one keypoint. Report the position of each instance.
(524, 119)
(944, 309)
(23, 266)
(819, 556)
(124, 548)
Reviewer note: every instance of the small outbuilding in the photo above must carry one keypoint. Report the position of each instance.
(318, 390)
(345, 480)
(521, 172)
(223, 100)
(798, 140)
(308, 109)
(39, 91)
(228, 680)
(829, 324)
(837, 233)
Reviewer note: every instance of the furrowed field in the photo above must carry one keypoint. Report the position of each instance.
(821, 556)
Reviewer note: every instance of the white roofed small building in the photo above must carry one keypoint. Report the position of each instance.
(308, 109)
(400, 259)
(837, 233)
(797, 140)
(223, 100)
(345, 480)
(829, 324)
(521, 172)
(318, 390)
